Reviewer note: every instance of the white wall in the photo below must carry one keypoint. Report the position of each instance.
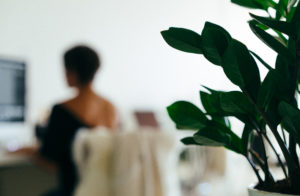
(139, 69)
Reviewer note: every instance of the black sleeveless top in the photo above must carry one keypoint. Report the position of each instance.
(56, 145)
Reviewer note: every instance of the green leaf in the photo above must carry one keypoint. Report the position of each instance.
(276, 88)
(240, 67)
(189, 141)
(268, 89)
(215, 40)
(255, 4)
(290, 119)
(281, 26)
(296, 16)
(296, 20)
(211, 90)
(281, 9)
(186, 115)
(210, 136)
(282, 66)
(245, 138)
(290, 14)
(266, 3)
(211, 102)
(236, 102)
(261, 60)
(272, 112)
(260, 25)
(285, 91)
(215, 130)
(183, 39)
(248, 4)
(271, 42)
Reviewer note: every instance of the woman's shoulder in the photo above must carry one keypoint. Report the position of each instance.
(108, 105)
(110, 112)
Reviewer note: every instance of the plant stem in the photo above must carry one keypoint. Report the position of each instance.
(292, 149)
(290, 163)
(283, 135)
(277, 155)
(264, 166)
(255, 171)
(294, 73)
(273, 148)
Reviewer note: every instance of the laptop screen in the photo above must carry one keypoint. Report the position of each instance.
(12, 90)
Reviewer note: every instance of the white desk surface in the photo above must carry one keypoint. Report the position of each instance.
(12, 137)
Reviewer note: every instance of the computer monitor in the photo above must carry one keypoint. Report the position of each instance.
(12, 90)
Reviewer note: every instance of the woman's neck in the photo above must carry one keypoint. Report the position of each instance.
(85, 91)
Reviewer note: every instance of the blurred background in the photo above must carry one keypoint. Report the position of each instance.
(140, 72)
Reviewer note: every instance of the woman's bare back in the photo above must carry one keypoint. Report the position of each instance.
(93, 110)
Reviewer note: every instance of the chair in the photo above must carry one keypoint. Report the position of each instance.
(137, 163)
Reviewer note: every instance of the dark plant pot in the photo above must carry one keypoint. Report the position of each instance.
(254, 192)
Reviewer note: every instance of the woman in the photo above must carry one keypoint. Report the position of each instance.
(86, 109)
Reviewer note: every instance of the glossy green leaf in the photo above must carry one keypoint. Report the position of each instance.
(212, 105)
(281, 9)
(189, 141)
(261, 60)
(249, 4)
(240, 67)
(268, 89)
(290, 119)
(255, 4)
(236, 102)
(260, 25)
(211, 102)
(183, 39)
(277, 88)
(236, 142)
(296, 20)
(215, 40)
(271, 42)
(266, 3)
(186, 115)
(272, 113)
(283, 67)
(296, 16)
(281, 26)
(245, 138)
(211, 90)
(285, 91)
(290, 14)
(210, 136)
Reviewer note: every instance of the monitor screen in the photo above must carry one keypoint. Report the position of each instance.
(12, 91)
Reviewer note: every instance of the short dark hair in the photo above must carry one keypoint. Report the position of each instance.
(84, 61)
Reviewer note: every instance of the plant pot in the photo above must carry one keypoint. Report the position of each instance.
(255, 192)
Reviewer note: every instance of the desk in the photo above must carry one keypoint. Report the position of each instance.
(12, 160)
(18, 175)
(12, 137)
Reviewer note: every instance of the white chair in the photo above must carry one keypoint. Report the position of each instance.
(137, 163)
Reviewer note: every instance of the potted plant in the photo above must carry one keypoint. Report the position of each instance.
(266, 107)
